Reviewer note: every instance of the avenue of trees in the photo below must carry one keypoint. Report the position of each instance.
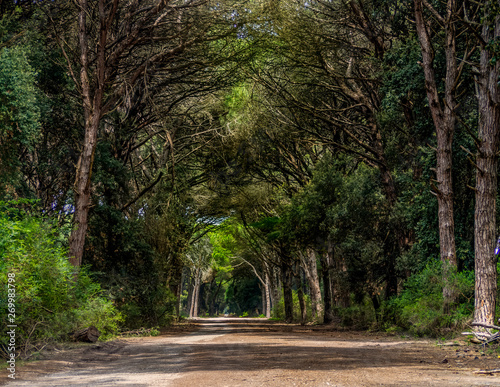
(325, 161)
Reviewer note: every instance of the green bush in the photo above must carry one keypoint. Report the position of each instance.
(102, 314)
(419, 308)
(52, 298)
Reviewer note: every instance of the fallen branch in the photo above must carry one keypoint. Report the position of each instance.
(484, 337)
(476, 324)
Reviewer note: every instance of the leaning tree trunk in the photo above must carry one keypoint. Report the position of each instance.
(486, 180)
(92, 114)
(83, 193)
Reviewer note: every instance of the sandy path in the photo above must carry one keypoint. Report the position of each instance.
(251, 352)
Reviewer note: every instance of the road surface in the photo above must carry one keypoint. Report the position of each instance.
(257, 352)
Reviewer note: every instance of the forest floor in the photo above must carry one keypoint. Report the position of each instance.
(257, 352)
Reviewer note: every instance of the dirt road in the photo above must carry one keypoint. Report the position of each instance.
(256, 352)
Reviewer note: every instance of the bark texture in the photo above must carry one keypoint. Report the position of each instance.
(311, 272)
(326, 260)
(193, 311)
(286, 273)
(267, 292)
(486, 178)
(92, 114)
(444, 118)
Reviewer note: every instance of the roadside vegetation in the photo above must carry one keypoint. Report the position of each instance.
(52, 298)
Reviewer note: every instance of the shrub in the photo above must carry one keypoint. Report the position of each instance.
(102, 314)
(419, 308)
(52, 298)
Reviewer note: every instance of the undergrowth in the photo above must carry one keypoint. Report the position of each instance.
(52, 298)
(419, 307)
(417, 310)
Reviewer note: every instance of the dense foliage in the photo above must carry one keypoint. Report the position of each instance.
(52, 300)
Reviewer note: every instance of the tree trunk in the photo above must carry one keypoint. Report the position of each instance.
(83, 195)
(286, 274)
(376, 305)
(194, 304)
(340, 286)
(191, 303)
(311, 271)
(213, 311)
(302, 303)
(267, 291)
(391, 279)
(190, 288)
(327, 290)
(444, 118)
(92, 114)
(178, 295)
(174, 280)
(196, 294)
(277, 286)
(486, 180)
(263, 297)
(300, 292)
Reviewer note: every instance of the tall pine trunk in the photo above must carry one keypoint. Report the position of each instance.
(444, 118)
(486, 177)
